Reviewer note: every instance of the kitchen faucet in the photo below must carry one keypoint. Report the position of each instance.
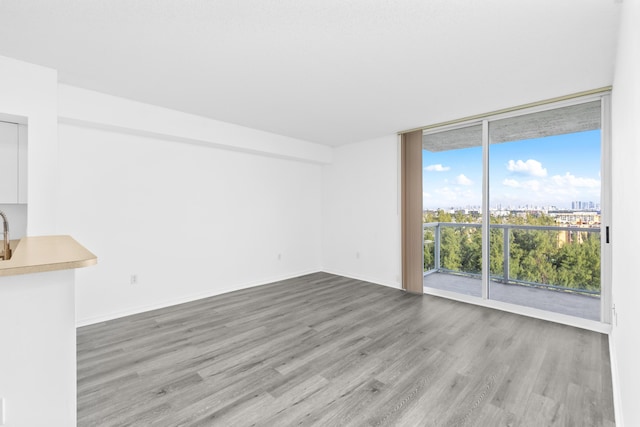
(6, 252)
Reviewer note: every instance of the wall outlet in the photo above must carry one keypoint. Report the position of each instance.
(133, 279)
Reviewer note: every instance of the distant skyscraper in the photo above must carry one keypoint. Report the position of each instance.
(585, 206)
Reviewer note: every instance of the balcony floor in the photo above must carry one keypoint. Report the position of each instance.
(584, 306)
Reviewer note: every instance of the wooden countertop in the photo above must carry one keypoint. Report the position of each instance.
(46, 253)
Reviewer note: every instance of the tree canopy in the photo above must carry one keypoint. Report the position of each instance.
(569, 259)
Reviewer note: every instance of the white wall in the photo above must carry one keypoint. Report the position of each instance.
(189, 219)
(626, 205)
(98, 110)
(30, 92)
(361, 228)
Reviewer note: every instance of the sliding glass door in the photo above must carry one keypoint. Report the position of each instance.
(545, 210)
(513, 211)
(452, 209)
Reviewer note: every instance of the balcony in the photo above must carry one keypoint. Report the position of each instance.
(545, 267)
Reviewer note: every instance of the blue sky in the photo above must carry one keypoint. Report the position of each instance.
(554, 170)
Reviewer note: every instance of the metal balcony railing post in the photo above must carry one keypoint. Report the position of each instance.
(423, 247)
(436, 251)
(505, 254)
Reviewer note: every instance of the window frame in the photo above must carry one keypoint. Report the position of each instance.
(602, 95)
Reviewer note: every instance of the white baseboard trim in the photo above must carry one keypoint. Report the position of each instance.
(363, 278)
(615, 381)
(129, 311)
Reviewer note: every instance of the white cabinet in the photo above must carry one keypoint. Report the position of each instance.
(8, 162)
(13, 163)
(22, 163)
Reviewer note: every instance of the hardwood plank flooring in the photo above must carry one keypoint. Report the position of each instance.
(327, 350)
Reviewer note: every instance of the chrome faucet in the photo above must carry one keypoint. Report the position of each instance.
(6, 252)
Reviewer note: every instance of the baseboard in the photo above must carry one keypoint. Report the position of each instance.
(183, 299)
(363, 278)
(615, 382)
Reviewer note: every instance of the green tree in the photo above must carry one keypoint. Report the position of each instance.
(450, 248)
(429, 249)
(539, 256)
(471, 248)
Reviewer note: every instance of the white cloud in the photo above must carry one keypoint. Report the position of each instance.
(530, 167)
(437, 168)
(463, 180)
(556, 189)
(569, 180)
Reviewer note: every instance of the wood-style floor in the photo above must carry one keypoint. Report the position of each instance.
(327, 350)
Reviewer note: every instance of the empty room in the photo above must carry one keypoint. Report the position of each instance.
(362, 213)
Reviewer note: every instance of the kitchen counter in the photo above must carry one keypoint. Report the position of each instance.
(46, 253)
(38, 334)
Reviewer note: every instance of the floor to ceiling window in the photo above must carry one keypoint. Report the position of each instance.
(513, 208)
(452, 207)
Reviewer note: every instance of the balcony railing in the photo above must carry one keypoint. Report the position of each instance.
(562, 258)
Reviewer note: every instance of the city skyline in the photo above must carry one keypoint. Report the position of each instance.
(555, 171)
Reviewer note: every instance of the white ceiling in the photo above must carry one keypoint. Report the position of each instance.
(326, 71)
